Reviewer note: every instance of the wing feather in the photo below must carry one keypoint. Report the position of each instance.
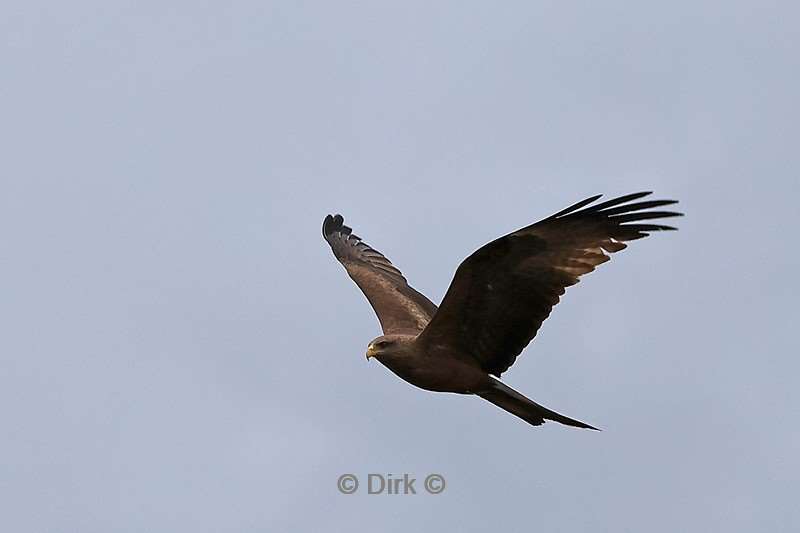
(399, 307)
(501, 294)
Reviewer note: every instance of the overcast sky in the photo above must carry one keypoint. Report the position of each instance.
(181, 352)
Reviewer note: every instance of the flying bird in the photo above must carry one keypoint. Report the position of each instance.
(498, 299)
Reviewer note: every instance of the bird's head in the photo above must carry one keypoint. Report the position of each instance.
(383, 345)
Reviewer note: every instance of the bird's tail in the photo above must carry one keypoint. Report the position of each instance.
(515, 403)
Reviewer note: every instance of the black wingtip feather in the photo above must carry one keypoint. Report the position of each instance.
(575, 207)
(332, 224)
(618, 200)
(637, 206)
(649, 227)
(644, 215)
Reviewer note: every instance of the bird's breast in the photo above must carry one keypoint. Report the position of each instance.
(439, 374)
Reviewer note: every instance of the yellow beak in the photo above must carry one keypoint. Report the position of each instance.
(371, 352)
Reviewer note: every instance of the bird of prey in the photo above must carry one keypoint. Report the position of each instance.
(498, 299)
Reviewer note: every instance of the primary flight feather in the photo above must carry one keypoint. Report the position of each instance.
(498, 299)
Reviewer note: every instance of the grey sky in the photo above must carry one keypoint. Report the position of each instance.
(181, 352)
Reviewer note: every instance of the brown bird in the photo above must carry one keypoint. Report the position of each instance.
(499, 297)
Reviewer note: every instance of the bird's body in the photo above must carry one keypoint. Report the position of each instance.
(421, 366)
(496, 302)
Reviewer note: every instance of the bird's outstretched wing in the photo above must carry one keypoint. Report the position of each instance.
(399, 307)
(502, 293)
